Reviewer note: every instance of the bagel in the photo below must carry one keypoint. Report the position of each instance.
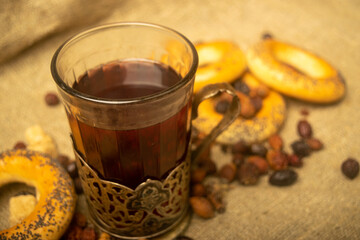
(55, 194)
(295, 72)
(263, 124)
(219, 61)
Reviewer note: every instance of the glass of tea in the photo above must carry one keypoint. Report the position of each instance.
(127, 89)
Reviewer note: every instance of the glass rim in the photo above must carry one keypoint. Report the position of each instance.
(69, 90)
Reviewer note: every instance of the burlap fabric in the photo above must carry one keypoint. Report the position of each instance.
(321, 205)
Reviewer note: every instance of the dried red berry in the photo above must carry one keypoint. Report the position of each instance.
(222, 106)
(260, 162)
(350, 168)
(198, 175)
(304, 129)
(209, 166)
(198, 190)
(88, 234)
(283, 177)
(80, 219)
(241, 87)
(240, 147)
(258, 149)
(202, 207)
(294, 160)
(20, 145)
(78, 186)
(71, 168)
(248, 174)
(276, 142)
(277, 159)
(64, 160)
(267, 36)
(301, 148)
(314, 144)
(51, 99)
(228, 172)
(238, 159)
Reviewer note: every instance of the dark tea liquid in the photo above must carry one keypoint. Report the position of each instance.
(129, 157)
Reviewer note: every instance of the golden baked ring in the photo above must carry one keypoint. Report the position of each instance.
(295, 72)
(54, 193)
(266, 122)
(219, 61)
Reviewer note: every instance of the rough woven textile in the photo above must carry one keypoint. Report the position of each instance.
(323, 204)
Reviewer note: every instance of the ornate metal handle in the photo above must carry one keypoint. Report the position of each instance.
(230, 115)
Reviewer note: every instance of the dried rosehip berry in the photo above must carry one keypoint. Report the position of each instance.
(198, 175)
(276, 142)
(51, 99)
(228, 172)
(283, 177)
(241, 87)
(88, 234)
(248, 174)
(238, 159)
(198, 190)
(222, 106)
(277, 159)
(202, 207)
(247, 110)
(20, 145)
(301, 148)
(267, 36)
(258, 149)
(257, 102)
(80, 219)
(304, 129)
(260, 162)
(78, 186)
(304, 112)
(262, 91)
(350, 168)
(294, 160)
(314, 144)
(63, 160)
(209, 166)
(71, 168)
(240, 147)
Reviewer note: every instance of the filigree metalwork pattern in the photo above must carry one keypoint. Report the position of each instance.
(153, 207)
